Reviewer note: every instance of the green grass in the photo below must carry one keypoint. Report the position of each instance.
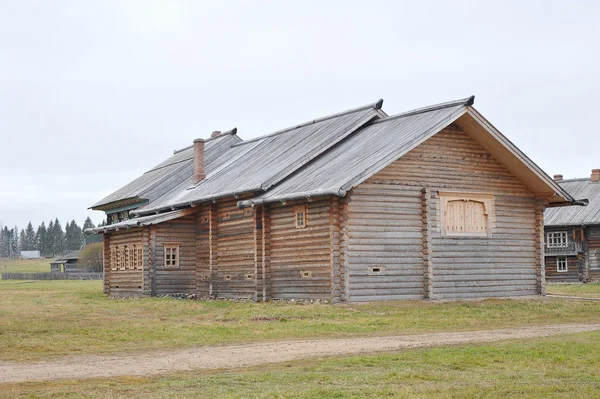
(46, 319)
(557, 367)
(24, 265)
(589, 290)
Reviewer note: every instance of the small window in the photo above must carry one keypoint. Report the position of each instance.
(113, 258)
(204, 220)
(561, 264)
(228, 277)
(306, 274)
(227, 216)
(119, 261)
(300, 216)
(171, 255)
(375, 269)
(557, 239)
(248, 212)
(205, 277)
(138, 257)
(248, 276)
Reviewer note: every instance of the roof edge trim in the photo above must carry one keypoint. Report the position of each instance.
(283, 198)
(465, 101)
(376, 105)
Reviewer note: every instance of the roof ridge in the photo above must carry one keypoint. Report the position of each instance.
(231, 132)
(376, 105)
(465, 101)
(574, 179)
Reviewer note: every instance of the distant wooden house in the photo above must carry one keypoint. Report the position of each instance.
(572, 246)
(356, 206)
(66, 263)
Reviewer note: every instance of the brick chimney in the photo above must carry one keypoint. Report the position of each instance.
(558, 177)
(199, 173)
(595, 175)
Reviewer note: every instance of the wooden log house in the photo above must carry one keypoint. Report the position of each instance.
(572, 246)
(358, 206)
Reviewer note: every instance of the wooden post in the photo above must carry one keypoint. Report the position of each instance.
(344, 258)
(258, 256)
(427, 251)
(212, 239)
(266, 254)
(106, 265)
(152, 260)
(540, 267)
(146, 287)
(334, 247)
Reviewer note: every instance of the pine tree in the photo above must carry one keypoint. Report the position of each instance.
(5, 239)
(30, 241)
(91, 238)
(58, 238)
(73, 237)
(49, 242)
(41, 239)
(22, 241)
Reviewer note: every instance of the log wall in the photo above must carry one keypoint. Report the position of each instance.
(129, 282)
(384, 255)
(386, 219)
(235, 244)
(175, 279)
(301, 258)
(571, 275)
(593, 261)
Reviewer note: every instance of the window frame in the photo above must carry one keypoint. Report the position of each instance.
(170, 247)
(551, 239)
(559, 261)
(488, 201)
(300, 209)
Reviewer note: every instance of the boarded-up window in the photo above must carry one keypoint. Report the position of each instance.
(171, 255)
(466, 214)
(300, 216)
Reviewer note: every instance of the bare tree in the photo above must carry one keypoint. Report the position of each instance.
(90, 258)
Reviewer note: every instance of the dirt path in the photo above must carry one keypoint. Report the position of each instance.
(217, 357)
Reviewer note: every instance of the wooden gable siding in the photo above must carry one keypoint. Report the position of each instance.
(129, 282)
(234, 276)
(384, 230)
(294, 251)
(507, 263)
(180, 279)
(571, 275)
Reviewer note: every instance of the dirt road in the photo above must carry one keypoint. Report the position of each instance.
(218, 357)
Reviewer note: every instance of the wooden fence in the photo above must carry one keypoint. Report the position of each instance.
(51, 276)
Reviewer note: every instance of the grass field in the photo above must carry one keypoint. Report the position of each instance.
(558, 367)
(24, 265)
(48, 319)
(589, 290)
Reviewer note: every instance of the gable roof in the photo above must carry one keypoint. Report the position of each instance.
(258, 164)
(168, 174)
(325, 156)
(576, 215)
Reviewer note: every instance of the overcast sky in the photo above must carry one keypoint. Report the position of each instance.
(93, 93)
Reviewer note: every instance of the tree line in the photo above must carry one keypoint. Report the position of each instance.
(50, 239)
